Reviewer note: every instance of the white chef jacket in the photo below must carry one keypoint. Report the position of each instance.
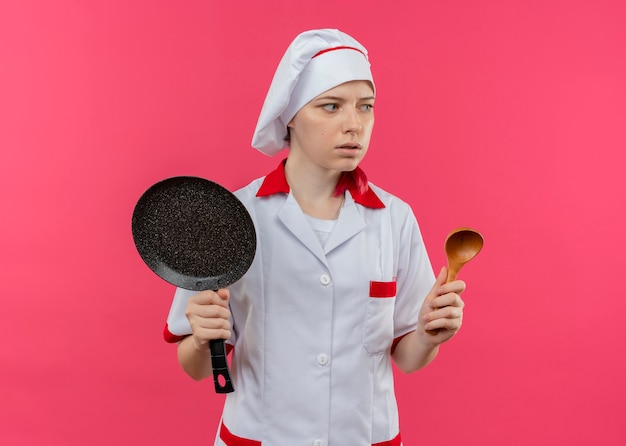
(313, 326)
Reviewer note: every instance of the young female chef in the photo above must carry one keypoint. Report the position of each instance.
(341, 283)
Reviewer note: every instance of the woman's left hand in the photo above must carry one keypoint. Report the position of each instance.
(441, 314)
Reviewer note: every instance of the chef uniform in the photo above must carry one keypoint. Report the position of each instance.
(317, 315)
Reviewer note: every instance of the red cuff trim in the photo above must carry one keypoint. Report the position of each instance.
(170, 337)
(395, 442)
(397, 340)
(382, 289)
(234, 440)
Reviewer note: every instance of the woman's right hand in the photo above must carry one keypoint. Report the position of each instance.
(209, 317)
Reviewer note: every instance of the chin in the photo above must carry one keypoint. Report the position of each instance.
(352, 161)
(349, 166)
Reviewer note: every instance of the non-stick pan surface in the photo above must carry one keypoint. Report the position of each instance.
(194, 233)
(197, 235)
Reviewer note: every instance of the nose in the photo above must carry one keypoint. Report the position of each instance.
(352, 121)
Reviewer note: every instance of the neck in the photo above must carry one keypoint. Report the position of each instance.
(313, 189)
(310, 179)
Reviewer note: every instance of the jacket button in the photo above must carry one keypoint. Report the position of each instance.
(322, 359)
(324, 279)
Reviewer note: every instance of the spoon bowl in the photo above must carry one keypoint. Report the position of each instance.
(461, 246)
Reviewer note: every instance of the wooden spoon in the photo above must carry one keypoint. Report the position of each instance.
(461, 246)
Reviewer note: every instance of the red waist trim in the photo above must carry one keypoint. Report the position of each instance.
(233, 440)
(394, 442)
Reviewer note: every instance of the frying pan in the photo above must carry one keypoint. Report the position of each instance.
(197, 235)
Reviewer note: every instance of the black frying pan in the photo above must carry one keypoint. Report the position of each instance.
(197, 235)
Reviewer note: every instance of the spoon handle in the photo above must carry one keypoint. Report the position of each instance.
(453, 271)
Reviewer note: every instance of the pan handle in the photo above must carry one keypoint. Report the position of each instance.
(220, 367)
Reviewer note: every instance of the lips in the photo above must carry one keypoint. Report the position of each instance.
(350, 145)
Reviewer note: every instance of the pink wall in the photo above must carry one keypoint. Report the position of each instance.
(504, 115)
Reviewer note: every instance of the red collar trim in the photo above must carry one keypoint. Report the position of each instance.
(276, 182)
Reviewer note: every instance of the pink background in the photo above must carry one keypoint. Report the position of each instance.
(508, 116)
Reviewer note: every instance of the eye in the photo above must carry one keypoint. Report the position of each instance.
(367, 107)
(330, 107)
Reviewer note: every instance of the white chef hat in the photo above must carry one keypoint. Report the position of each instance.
(314, 62)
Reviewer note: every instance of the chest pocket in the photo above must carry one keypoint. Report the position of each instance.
(378, 327)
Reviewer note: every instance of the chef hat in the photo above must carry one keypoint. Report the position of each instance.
(314, 62)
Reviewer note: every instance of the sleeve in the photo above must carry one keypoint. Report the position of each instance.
(177, 325)
(415, 276)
